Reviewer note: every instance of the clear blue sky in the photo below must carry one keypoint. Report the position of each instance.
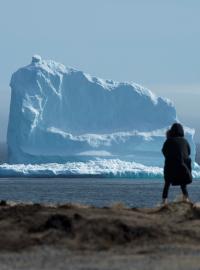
(155, 43)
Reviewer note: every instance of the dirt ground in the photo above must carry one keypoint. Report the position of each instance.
(80, 237)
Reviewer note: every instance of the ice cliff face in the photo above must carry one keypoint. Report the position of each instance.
(59, 114)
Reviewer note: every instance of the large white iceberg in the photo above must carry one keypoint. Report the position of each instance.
(60, 115)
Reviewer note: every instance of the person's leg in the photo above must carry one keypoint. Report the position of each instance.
(165, 192)
(185, 193)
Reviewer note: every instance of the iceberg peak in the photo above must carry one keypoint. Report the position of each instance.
(36, 59)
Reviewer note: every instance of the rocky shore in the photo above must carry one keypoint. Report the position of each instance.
(35, 236)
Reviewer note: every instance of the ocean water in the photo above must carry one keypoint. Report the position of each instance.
(91, 191)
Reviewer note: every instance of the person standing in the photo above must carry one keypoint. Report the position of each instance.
(177, 168)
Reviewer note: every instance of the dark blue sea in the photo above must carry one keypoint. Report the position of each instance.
(91, 191)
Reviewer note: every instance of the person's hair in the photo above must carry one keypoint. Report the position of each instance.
(176, 130)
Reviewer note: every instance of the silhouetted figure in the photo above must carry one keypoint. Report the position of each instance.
(177, 169)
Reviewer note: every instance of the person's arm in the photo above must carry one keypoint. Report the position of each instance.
(164, 148)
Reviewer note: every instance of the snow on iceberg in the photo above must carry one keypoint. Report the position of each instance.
(62, 115)
(93, 168)
(97, 168)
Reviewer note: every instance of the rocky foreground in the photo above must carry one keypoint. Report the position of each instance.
(80, 237)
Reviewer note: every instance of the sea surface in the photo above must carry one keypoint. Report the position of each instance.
(91, 191)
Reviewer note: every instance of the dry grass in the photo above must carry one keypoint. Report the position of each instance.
(118, 206)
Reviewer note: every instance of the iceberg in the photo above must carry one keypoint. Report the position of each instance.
(63, 116)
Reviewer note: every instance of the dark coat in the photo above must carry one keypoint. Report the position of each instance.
(177, 169)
